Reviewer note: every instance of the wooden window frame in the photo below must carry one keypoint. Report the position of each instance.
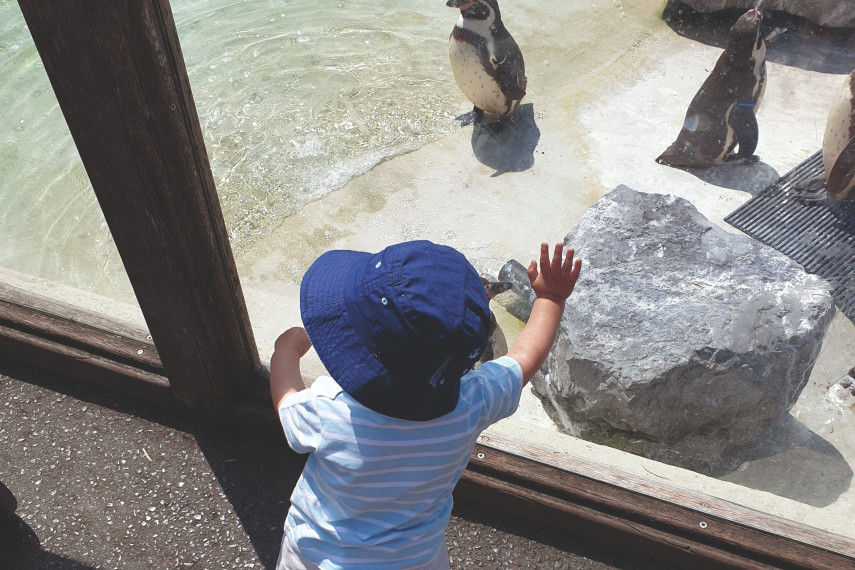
(119, 76)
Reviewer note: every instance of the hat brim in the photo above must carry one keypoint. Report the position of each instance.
(325, 318)
(378, 354)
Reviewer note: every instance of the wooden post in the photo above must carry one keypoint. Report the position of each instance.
(120, 79)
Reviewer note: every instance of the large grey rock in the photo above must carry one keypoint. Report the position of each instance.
(681, 341)
(835, 13)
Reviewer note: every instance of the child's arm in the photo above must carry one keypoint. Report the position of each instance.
(285, 378)
(552, 286)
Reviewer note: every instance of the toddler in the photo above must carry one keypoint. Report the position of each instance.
(391, 431)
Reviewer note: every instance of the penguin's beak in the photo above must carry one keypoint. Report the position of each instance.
(760, 7)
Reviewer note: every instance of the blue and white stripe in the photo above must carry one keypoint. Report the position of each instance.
(376, 491)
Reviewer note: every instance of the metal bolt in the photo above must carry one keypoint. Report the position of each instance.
(703, 524)
(480, 456)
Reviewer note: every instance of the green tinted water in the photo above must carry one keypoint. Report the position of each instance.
(296, 98)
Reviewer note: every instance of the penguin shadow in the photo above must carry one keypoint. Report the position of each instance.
(748, 176)
(758, 465)
(790, 40)
(507, 145)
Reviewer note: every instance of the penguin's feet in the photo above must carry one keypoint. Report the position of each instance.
(474, 116)
(733, 157)
(493, 127)
(844, 212)
(811, 199)
(466, 119)
(811, 192)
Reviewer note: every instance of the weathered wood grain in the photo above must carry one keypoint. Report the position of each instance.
(119, 77)
(679, 520)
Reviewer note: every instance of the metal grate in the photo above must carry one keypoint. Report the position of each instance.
(819, 237)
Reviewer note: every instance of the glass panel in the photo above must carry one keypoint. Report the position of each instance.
(334, 125)
(55, 241)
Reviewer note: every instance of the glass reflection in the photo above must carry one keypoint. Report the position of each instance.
(335, 125)
(54, 238)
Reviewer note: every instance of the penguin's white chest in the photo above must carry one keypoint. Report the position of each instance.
(467, 64)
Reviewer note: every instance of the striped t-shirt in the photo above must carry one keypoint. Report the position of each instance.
(376, 491)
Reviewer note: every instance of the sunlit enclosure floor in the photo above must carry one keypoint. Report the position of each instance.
(608, 87)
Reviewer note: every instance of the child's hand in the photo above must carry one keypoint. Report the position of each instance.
(285, 378)
(556, 280)
(552, 286)
(294, 338)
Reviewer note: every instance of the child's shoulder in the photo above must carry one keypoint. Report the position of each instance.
(493, 373)
(493, 389)
(323, 387)
(326, 387)
(502, 365)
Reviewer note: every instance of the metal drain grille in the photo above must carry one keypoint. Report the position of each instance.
(820, 238)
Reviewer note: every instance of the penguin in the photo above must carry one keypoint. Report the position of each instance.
(723, 112)
(486, 61)
(496, 344)
(838, 145)
(837, 185)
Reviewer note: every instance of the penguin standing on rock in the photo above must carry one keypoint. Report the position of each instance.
(723, 112)
(486, 61)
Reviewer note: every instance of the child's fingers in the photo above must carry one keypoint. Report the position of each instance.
(572, 268)
(577, 269)
(532, 271)
(568, 261)
(544, 256)
(557, 254)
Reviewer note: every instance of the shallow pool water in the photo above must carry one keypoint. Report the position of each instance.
(295, 98)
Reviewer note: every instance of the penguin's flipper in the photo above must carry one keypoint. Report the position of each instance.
(744, 124)
(841, 179)
(510, 59)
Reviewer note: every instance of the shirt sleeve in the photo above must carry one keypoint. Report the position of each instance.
(498, 385)
(300, 421)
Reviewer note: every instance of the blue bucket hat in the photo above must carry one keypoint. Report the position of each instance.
(397, 329)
